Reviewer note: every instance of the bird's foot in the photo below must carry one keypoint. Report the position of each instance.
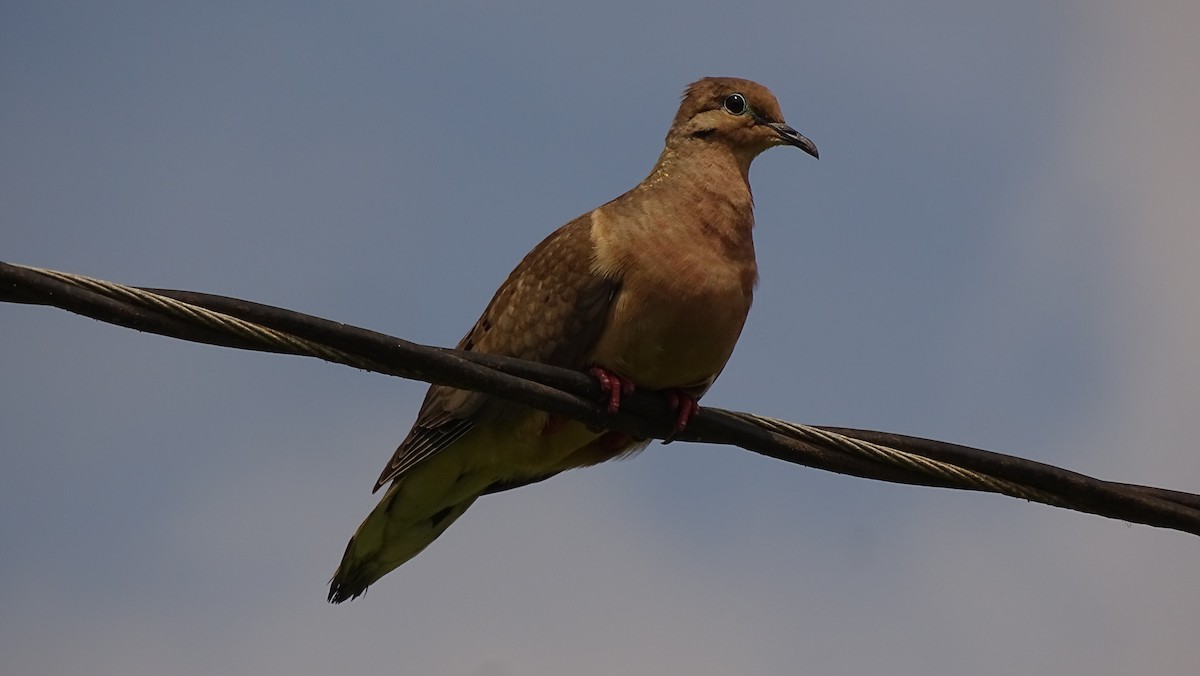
(613, 386)
(685, 408)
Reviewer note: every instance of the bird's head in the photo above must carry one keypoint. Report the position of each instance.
(740, 114)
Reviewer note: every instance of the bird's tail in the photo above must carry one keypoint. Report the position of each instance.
(387, 539)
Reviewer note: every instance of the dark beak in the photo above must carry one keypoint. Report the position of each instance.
(794, 138)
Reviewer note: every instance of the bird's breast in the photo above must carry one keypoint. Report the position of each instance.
(677, 318)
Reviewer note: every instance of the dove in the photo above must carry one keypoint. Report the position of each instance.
(649, 291)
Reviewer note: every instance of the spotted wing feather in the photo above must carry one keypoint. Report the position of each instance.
(551, 309)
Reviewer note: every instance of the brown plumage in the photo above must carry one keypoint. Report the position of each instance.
(649, 290)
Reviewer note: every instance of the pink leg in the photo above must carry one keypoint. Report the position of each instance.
(685, 407)
(612, 385)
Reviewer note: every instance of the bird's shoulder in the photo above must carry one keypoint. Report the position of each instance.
(551, 305)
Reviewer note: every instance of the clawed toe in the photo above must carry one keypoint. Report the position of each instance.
(685, 408)
(613, 386)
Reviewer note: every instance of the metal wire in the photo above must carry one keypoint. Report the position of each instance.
(238, 323)
(951, 473)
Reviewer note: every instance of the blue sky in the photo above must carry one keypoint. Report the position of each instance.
(997, 248)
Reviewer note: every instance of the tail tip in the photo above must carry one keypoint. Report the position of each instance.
(347, 587)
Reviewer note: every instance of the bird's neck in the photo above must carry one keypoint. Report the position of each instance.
(692, 213)
(712, 160)
(711, 183)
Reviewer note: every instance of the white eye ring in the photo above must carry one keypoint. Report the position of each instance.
(735, 104)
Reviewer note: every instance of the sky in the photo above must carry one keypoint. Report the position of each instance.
(996, 248)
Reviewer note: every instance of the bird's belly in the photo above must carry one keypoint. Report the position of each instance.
(674, 339)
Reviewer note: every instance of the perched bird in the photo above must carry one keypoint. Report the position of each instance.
(648, 291)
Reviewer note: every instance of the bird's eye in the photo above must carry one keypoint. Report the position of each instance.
(735, 104)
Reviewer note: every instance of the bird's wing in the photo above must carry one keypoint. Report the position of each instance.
(551, 309)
